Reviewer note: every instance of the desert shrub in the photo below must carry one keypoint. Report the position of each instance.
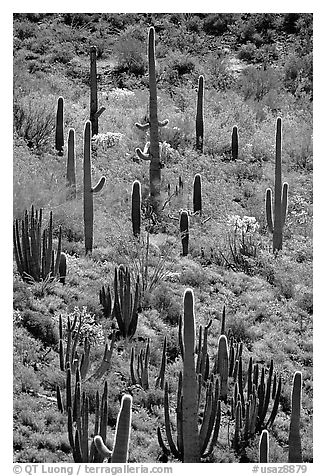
(130, 50)
(217, 23)
(24, 30)
(256, 83)
(298, 74)
(247, 52)
(33, 120)
(62, 53)
(41, 327)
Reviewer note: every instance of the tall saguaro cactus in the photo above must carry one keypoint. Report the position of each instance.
(94, 111)
(295, 451)
(200, 115)
(264, 447)
(135, 207)
(235, 143)
(153, 151)
(184, 230)
(122, 435)
(71, 172)
(89, 190)
(191, 445)
(59, 139)
(197, 200)
(280, 195)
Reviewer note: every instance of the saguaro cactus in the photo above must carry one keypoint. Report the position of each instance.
(264, 447)
(122, 435)
(184, 230)
(59, 139)
(153, 151)
(135, 207)
(191, 445)
(197, 201)
(71, 172)
(280, 196)
(94, 111)
(295, 451)
(235, 143)
(89, 190)
(200, 115)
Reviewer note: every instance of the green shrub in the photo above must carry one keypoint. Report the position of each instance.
(217, 23)
(41, 327)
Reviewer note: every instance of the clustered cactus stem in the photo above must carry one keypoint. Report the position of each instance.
(33, 248)
(94, 111)
(59, 138)
(235, 143)
(106, 300)
(71, 168)
(276, 225)
(295, 450)
(140, 375)
(89, 190)
(78, 421)
(152, 152)
(200, 115)
(125, 307)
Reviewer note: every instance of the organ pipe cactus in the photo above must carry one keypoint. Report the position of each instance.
(105, 364)
(89, 190)
(295, 450)
(59, 139)
(78, 424)
(136, 208)
(33, 247)
(94, 111)
(276, 225)
(222, 366)
(119, 454)
(71, 172)
(235, 143)
(200, 115)
(264, 447)
(153, 150)
(197, 200)
(106, 301)
(160, 381)
(140, 377)
(125, 307)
